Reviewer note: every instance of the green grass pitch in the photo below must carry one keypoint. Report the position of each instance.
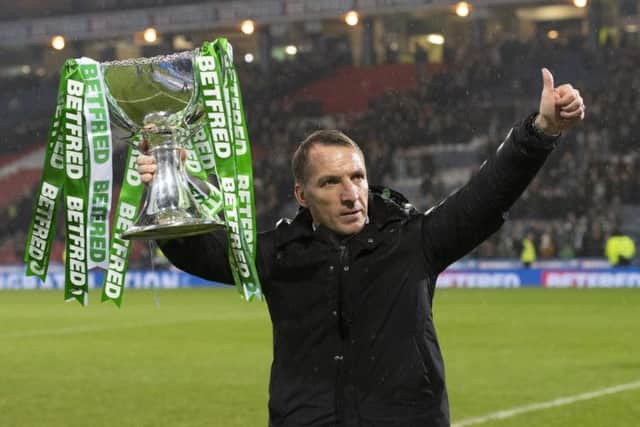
(202, 357)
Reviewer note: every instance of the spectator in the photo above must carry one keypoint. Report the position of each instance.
(528, 251)
(620, 249)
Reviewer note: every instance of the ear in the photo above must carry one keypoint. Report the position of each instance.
(298, 191)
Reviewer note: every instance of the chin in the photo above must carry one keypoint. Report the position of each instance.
(353, 228)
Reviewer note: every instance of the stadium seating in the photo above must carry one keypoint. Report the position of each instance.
(425, 136)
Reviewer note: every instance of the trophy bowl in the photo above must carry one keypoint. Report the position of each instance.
(156, 99)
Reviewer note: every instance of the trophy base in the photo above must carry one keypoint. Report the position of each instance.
(170, 231)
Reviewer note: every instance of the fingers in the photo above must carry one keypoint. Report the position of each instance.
(568, 115)
(569, 102)
(146, 168)
(147, 165)
(547, 80)
(145, 160)
(146, 178)
(567, 94)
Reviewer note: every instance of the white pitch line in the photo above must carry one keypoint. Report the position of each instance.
(508, 413)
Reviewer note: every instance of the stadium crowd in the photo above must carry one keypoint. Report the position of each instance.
(583, 193)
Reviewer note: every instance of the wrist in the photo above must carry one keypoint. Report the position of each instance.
(541, 128)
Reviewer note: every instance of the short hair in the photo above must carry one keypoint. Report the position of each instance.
(300, 162)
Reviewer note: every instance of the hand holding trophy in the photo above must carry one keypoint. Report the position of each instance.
(189, 100)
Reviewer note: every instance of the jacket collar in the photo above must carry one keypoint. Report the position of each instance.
(385, 206)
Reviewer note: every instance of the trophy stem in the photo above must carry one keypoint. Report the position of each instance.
(169, 209)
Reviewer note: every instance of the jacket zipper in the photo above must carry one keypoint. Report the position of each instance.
(339, 396)
(343, 267)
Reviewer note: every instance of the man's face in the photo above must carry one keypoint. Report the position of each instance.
(336, 189)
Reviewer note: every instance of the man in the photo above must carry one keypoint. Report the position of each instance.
(528, 252)
(350, 281)
(620, 249)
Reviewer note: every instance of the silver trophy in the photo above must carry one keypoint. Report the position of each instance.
(157, 98)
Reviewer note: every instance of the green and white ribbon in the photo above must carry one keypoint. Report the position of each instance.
(209, 198)
(76, 189)
(242, 155)
(126, 214)
(98, 138)
(43, 221)
(232, 159)
(201, 143)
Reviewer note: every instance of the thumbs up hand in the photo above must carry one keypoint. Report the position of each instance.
(560, 107)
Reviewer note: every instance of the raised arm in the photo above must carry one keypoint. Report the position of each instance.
(470, 215)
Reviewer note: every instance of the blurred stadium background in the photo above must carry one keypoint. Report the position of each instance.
(428, 88)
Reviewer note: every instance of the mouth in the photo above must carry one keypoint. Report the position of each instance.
(351, 215)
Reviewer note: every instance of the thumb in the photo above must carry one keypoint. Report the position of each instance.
(547, 80)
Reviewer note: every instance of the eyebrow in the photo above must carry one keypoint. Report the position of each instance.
(327, 178)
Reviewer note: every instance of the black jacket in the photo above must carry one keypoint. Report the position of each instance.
(354, 342)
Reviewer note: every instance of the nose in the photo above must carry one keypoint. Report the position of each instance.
(349, 193)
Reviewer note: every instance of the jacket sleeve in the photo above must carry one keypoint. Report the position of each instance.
(205, 255)
(477, 210)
